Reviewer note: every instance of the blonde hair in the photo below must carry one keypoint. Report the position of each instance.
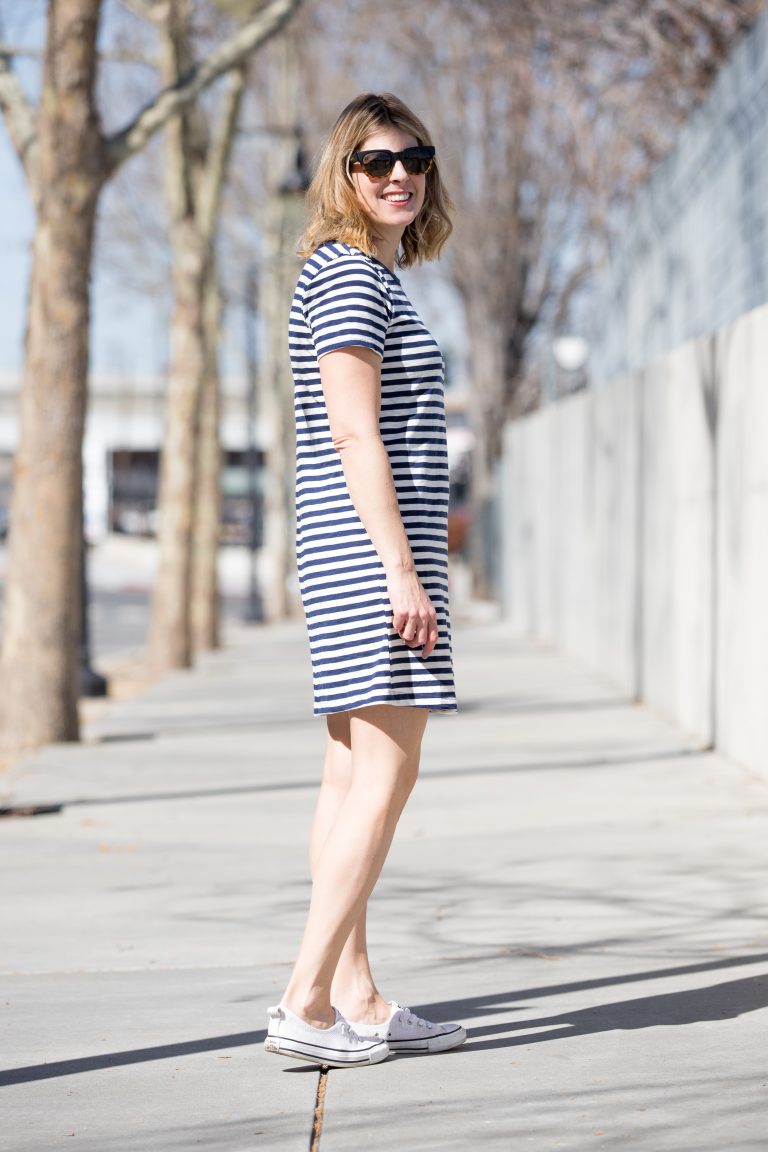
(335, 213)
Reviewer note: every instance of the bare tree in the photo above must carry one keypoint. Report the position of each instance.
(68, 159)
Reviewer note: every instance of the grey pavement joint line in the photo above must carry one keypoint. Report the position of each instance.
(319, 1112)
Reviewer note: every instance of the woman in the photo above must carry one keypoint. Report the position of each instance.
(372, 504)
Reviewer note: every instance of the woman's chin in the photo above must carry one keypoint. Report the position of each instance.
(398, 217)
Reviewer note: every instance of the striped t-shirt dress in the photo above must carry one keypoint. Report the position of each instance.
(345, 299)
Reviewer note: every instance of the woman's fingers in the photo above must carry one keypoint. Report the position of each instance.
(429, 645)
(413, 614)
(417, 628)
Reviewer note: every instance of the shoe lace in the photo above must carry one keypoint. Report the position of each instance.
(411, 1020)
(348, 1030)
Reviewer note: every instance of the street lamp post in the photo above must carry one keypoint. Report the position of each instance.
(254, 612)
(292, 196)
(285, 217)
(92, 683)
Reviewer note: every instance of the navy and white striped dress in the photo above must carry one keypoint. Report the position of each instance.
(347, 299)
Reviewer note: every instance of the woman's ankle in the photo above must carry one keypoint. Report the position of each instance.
(312, 1009)
(365, 1006)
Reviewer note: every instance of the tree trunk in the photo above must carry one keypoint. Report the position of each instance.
(207, 524)
(43, 597)
(170, 639)
(170, 635)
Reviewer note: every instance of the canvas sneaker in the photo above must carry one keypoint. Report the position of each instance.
(404, 1031)
(335, 1047)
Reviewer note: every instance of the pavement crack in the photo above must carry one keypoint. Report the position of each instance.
(319, 1112)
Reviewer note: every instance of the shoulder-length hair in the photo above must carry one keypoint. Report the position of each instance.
(335, 213)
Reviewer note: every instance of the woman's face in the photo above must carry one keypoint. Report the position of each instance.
(394, 201)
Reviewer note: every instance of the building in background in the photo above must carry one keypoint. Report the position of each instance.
(121, 450)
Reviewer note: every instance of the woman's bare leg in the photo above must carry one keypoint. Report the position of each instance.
(353, 990)
(384, 745)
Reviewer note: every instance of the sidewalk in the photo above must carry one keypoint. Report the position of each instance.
(583, 890)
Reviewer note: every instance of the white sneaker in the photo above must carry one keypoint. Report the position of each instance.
(335, 1047)
(406, 1032)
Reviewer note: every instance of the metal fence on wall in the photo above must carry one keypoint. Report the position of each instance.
(694, 255)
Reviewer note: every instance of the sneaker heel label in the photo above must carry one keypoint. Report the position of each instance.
(271, 1045)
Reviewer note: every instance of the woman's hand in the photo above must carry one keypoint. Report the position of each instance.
(413, 613)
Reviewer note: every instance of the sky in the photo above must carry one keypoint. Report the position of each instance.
(124, 336)
(123, 333)
(16, 223)
(129, 334)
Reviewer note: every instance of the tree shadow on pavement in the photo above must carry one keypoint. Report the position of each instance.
(523, 705)
(715, 1002)
(131, 1056)
(724, 1001)
(61, 803)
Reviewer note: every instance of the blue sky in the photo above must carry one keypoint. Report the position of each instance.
(16, 224)
(124, 335)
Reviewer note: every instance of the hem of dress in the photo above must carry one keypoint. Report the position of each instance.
(335, 708)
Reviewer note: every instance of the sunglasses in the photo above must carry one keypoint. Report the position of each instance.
(379, 162)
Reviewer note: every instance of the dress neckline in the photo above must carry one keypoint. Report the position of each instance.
(374, 259)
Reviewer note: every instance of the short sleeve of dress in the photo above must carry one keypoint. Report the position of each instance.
(347, 306)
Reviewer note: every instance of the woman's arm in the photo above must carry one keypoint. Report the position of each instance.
(351, 380)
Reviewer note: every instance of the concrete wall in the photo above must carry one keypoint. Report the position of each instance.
(636, 515)
(741, 715)
(676, 534)
(635, 534)
(569, 501)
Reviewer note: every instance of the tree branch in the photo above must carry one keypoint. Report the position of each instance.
(20, 118)
(21, 52)
(212, 179)
(166, 104)
(176, 56)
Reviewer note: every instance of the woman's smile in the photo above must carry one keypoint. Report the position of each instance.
(398, 197)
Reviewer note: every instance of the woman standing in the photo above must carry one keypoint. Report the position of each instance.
(372, 507)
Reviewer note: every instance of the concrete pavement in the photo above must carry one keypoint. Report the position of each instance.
(575, 882)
